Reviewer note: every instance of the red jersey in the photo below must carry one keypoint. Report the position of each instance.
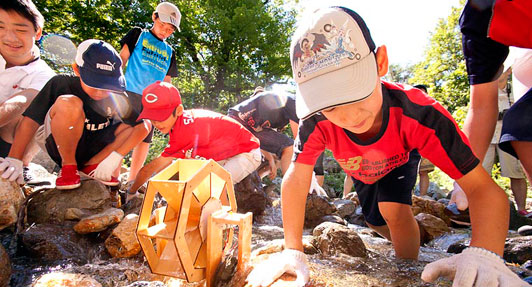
(411, 120)
(209, 135)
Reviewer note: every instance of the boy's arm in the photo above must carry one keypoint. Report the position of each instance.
(148, 170)
(23, 136)
(294, 190)
(294, 126)
(124, 55)
(16, 105)
(488, 208)
(139, 132)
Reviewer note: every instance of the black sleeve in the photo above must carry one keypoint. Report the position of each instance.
(172, 70)
(131, 39)
(43, 101)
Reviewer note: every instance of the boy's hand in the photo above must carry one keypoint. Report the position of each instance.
(473, 267)
(459, 197)
(11, 169)
(105, 169)
(290, 260)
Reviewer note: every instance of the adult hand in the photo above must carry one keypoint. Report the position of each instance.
(473, 267)
(459, 197)
(11, 169)
(105, 169)
(315, 187)
(290, 260)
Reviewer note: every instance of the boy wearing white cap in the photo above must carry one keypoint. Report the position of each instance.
(371, 126)
(149, 58)
(85, 121)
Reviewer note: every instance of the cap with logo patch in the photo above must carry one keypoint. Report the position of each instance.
(100, 66)
(159, 100)
(169, 13)
(333, 60)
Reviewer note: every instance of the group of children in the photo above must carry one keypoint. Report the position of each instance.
(89, 121)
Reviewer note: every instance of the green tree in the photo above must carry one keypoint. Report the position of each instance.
(400, 74)
(443, 68)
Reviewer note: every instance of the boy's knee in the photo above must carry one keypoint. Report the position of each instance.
(68, 105)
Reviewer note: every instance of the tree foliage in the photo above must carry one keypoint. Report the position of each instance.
(443, 68)
(225, 47)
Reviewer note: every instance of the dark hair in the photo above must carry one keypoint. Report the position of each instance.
(24, 8)
(421, 87)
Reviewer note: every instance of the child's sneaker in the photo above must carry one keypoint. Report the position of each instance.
(68, 177)
(525, 213)
(89, 172)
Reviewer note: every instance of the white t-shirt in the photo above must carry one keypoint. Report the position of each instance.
(16, 79)
(521, 61)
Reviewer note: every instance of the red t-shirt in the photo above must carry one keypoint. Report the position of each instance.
(209, 135)
(411, 120)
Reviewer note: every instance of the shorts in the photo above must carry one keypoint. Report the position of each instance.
(510, 166)
(484, 57)
(426, 165)
(396, 186)
(89, 144)
(517, 124)
(241, 165)
(136, 100)
(270, 140)
(318, 167)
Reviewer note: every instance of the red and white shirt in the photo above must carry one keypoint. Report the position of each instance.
(210, 135)
(411, 120)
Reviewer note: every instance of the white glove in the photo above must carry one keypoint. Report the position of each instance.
(11, 169)
(290, 260)
(105, 169)
(459, 197)
(473, 267)
(315, 187)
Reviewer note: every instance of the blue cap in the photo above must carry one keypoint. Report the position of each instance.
(100, 66)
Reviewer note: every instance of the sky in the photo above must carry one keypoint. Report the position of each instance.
(403, 26)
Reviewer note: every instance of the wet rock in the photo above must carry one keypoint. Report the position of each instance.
(525, 230)
(100, 221)
(344, 207)
(333, 238)
(518, 249)
(133, 206)
(60, 279)
(58, 242)
(434, 191)
(250, 196)
(147, 284)
(277, 245)
(422, 205)
(333, 218)
(354, 198)
(226, 269)
(5, 267)
(357, 218)
(123, 241)
(50, 206)
(11, 198)
(75, 214)
(458, 246)
(316, 208)
(432, 226)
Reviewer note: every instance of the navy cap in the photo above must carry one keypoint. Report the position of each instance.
(100, 66)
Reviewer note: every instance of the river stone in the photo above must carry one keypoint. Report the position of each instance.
(525, 230)
(332, 238)
(250, 196)
(123, 241)
(50, 206)
(316, 208)
(61, 279)
(333, 218)
(100, 221)
(75, 214)
(5, 267)
(11, 198)
(432, 226)
(518, 249)
(344, 207)
(422, 205)
(58, 242)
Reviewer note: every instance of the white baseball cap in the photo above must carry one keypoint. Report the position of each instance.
(333, 60)
(169, 13)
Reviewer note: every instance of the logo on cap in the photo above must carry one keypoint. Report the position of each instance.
(324, 48)
(150, 98)
(107, 67)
